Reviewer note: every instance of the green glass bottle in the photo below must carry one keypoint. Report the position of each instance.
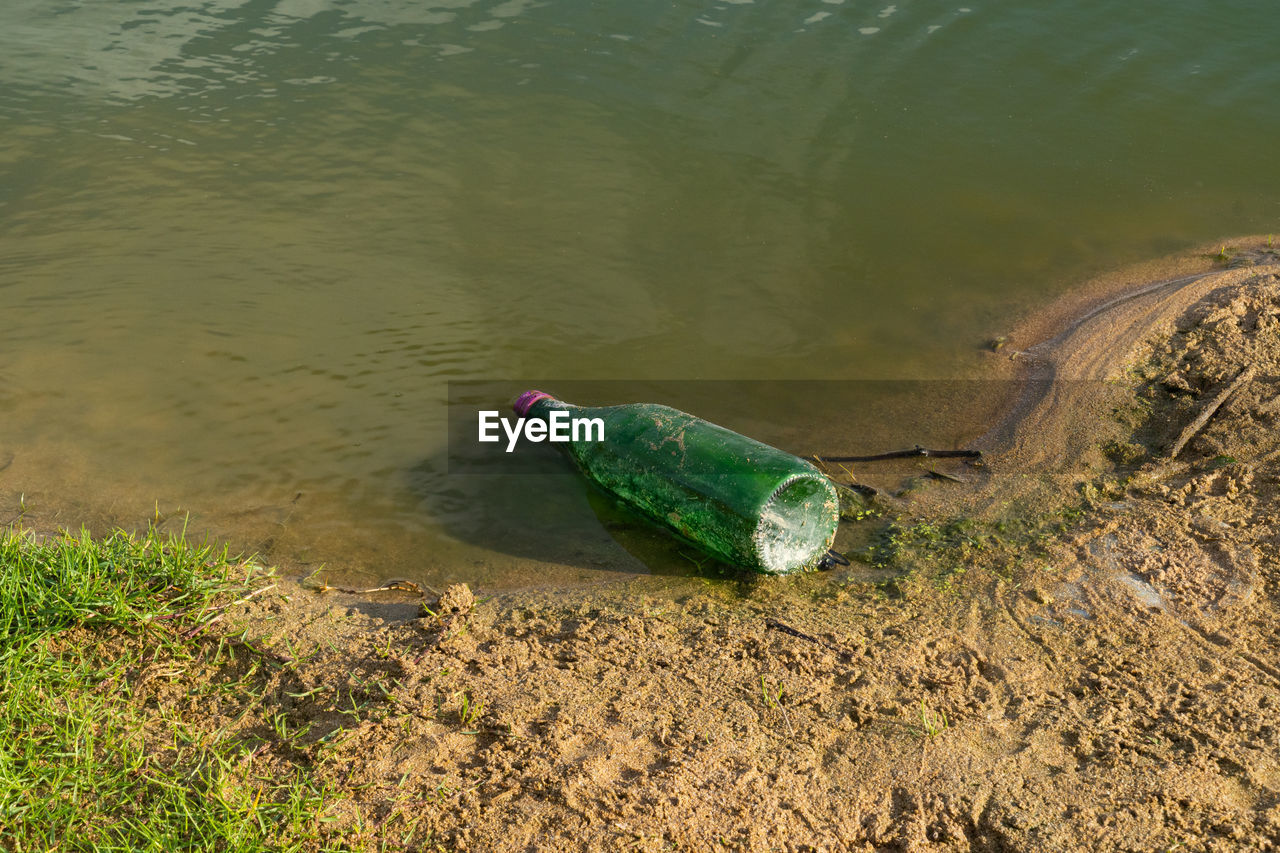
(744, 502)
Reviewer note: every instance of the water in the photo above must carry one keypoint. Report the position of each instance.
(244, 246)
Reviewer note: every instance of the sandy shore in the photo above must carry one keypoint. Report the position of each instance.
(1076, 648)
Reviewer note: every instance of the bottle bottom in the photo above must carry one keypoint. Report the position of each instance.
(797, 524)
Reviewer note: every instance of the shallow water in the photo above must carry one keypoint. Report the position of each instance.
(245, 246)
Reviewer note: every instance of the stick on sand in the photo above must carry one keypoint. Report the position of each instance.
(1207, 412)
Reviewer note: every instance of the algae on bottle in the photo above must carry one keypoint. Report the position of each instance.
(747, 504)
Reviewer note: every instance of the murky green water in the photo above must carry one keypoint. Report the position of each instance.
(245, 245)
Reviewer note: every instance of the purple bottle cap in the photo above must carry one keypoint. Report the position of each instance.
(526, 400)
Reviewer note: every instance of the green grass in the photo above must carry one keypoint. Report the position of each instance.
(772, 696)
(470, 710)
(86, 765)
(932, 723)
(1225, 253)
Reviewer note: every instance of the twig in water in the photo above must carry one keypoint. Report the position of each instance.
(392, 585)
(853, 485)
(859, 489)
(1208, 411)
(906, 454)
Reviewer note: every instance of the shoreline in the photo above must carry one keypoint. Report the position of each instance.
(1072, 654)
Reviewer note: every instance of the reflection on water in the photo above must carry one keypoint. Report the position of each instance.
(244, 245)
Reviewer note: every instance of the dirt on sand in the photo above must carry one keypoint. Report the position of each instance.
(1079, 648)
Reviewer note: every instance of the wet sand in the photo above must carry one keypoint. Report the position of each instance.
(1074, 649)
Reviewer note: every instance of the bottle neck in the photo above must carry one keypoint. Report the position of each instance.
(538, 404)
(543, 407)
